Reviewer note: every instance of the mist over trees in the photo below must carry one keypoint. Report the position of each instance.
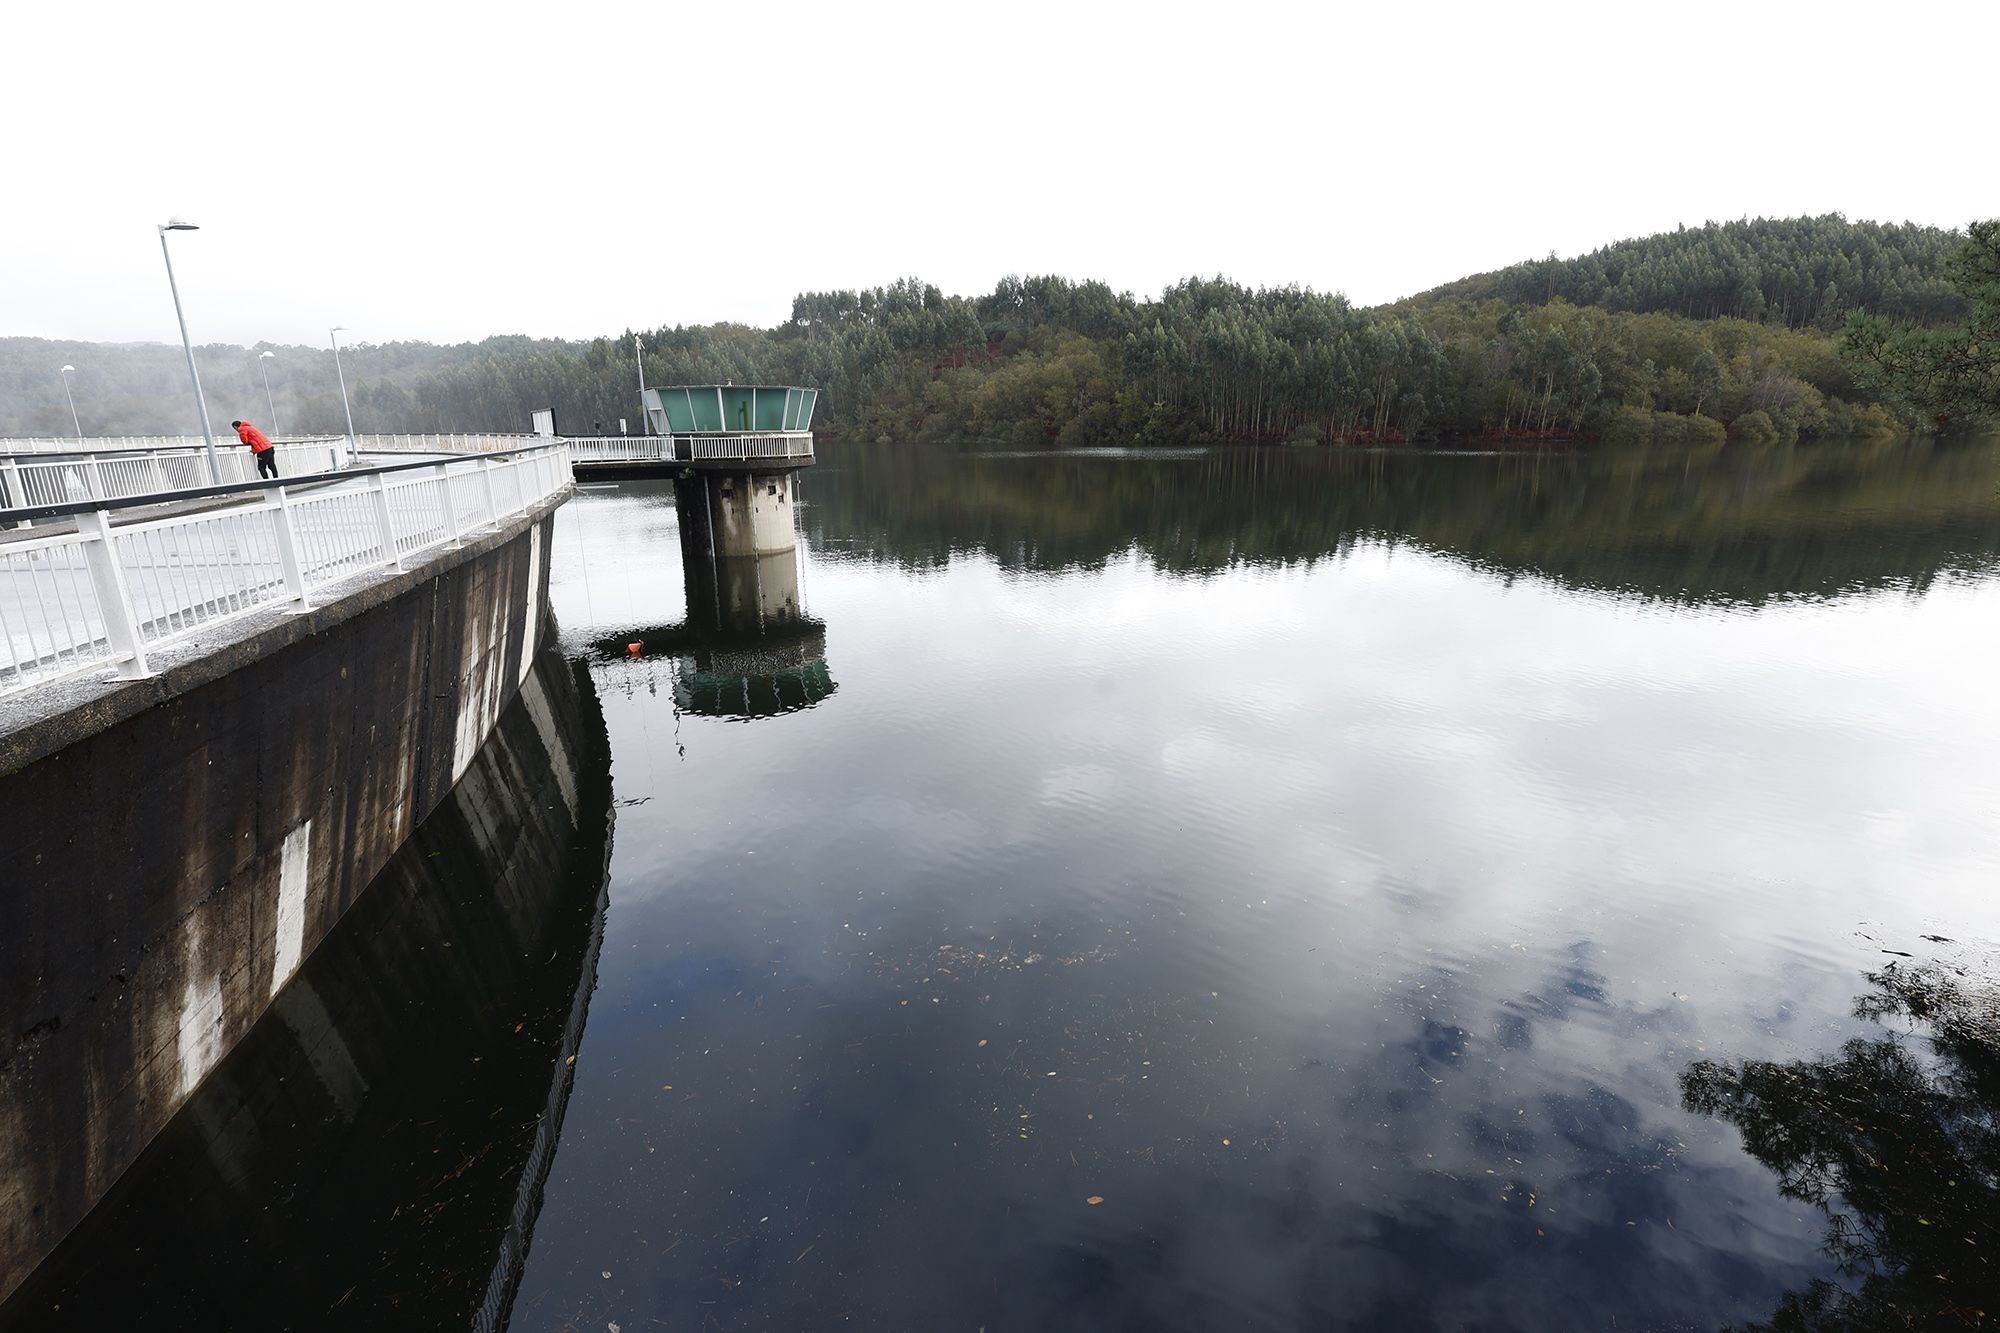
(142, 388)
(1635, 343)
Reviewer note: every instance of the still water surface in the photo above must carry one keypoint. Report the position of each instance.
(1225, 890)
(1329, 864)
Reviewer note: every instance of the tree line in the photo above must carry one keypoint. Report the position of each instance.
(1044, 359)
(1808, 272)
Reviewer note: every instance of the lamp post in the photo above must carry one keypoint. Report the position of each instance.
(64, 372)
(332, 333)
(262, 357)
(194, 376)
(639, 355)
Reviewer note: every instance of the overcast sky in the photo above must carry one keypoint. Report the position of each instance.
(416, 170)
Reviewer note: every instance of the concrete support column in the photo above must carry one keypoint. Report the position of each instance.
(738, 513)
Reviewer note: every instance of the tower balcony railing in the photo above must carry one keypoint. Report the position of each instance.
(744, 445)
(725, 447)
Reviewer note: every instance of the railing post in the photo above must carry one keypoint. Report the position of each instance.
(96, 471)
(387, 522)
(451, 537)
(17, 497)
(288, 545)
(486, 480)
(114, 599)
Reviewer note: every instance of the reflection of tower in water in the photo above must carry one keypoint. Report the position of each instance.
(756, 653)
(747, 647)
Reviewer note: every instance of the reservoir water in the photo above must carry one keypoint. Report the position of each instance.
(1243, 889)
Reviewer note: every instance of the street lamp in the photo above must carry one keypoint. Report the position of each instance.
(336, 329)
(65, 373)
(639, 355)
(207, 433)
(262, 357)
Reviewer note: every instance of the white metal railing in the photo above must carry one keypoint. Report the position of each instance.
(442, 444)
(108, 476)
(765, 444)
(612, 448)
(105, 596)
(617, 448)
(176, 463)
(50, 444)
(92, 444)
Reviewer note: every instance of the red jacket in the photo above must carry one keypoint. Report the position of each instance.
(253, 437)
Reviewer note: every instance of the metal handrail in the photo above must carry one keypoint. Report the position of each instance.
(66, 508)
(75, 481)
(104, 596)
(747, 445)
(699, 444)
(108, 475)
(51, 444)
(696, 447)
(586, 448)
(136, 444)
(478, 442)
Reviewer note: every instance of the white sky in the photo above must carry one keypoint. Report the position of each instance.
(417, 170)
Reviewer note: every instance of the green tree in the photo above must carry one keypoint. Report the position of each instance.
(1705, 379)
(1657, 325)
(1948, 375)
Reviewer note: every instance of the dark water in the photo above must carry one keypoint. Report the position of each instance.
(1242, 890)
(1332, 864)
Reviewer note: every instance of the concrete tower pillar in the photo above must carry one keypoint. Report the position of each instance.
(737, 513)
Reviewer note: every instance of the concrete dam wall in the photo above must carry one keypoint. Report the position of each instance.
(177, 846)
(422, 1052)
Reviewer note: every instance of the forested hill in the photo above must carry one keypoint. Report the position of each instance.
(1804, 272)
(1047, 360)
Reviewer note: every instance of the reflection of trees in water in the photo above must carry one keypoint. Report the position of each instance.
(1896, 1138)
(1732, 525)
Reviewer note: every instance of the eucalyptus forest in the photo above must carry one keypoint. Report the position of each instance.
(1760, 330)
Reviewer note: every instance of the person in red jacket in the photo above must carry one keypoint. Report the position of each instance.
(260, 445)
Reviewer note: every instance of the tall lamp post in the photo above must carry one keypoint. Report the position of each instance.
(194, 376)
(639, 355)
(64, 372)
(334, 333)
(262, 357)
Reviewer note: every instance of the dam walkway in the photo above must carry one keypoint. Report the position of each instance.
(96, 585)
(40, 472)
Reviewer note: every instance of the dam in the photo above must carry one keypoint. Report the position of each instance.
(225, 711)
